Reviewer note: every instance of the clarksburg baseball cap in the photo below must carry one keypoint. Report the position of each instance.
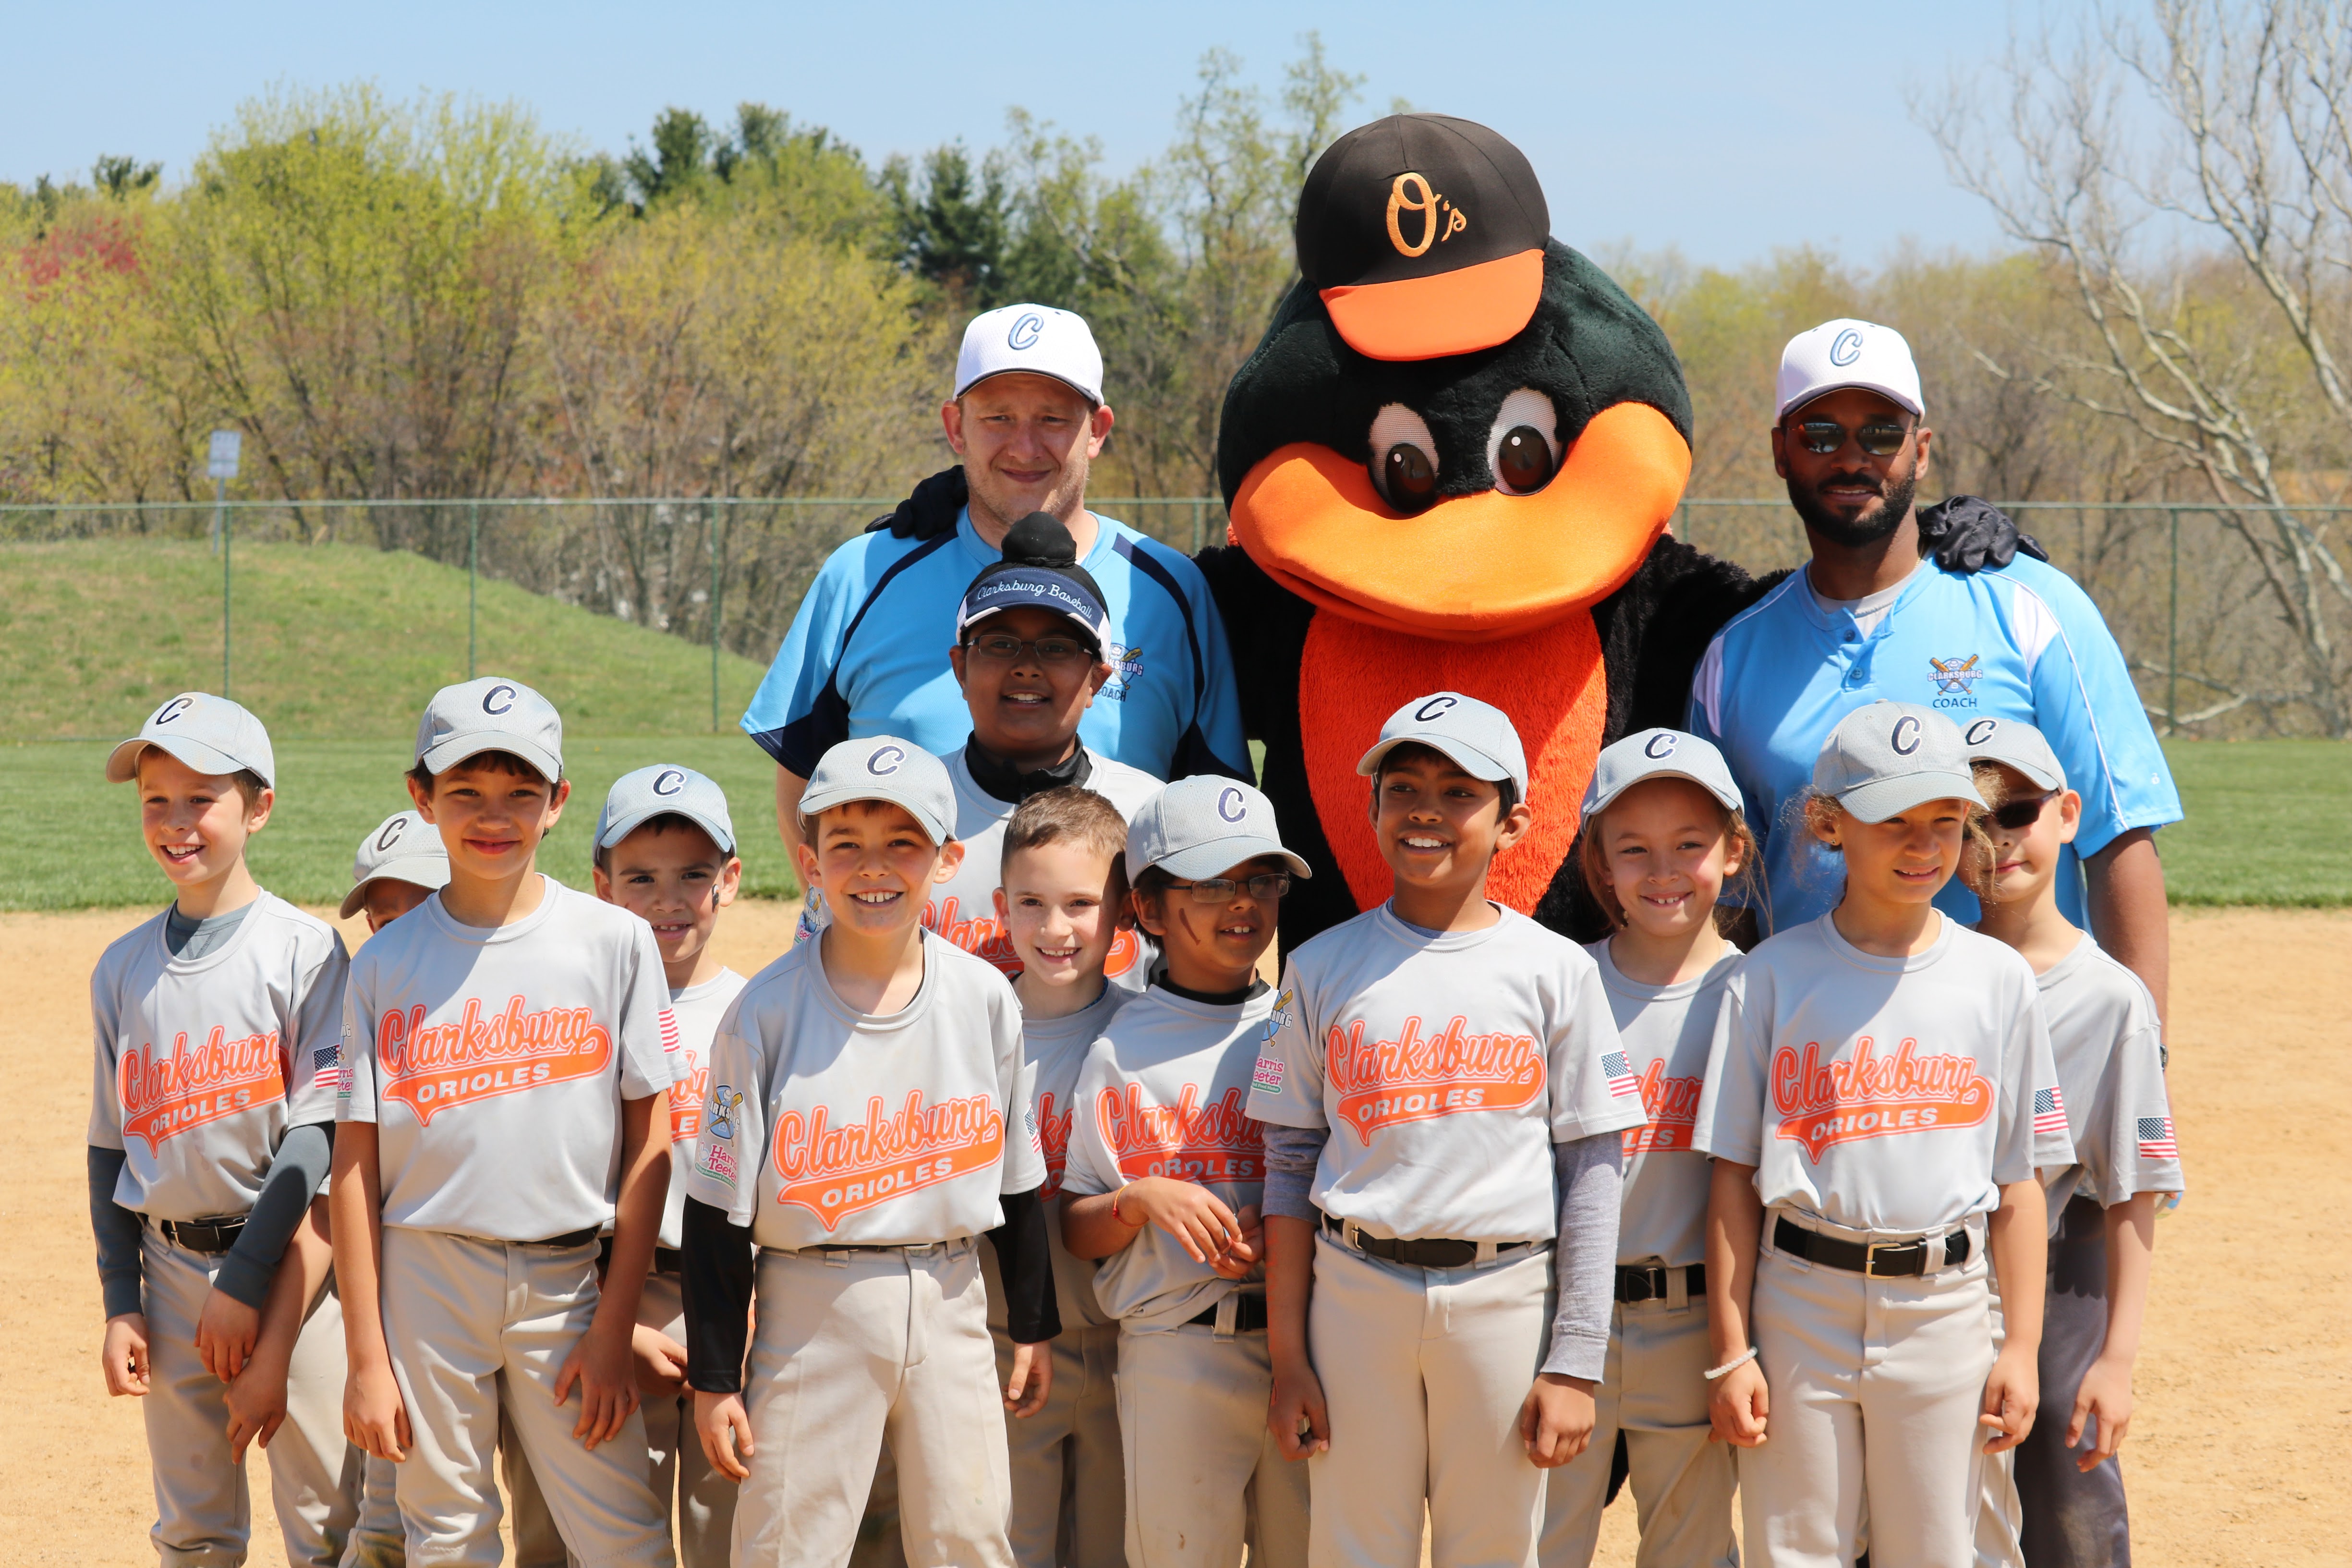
(1846, 352)
(1658, 755)
(1891, 756)
(404, 847)
(492, 714)
(2020, 745)
(1423, 235)
(1036, 339)
(210, 734)
(1040, 569)
(1203, 826)
(1479, 737)
(883, 767)
(665, 790)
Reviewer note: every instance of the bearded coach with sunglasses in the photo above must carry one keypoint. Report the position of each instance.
(1869, 618)
(868, 649)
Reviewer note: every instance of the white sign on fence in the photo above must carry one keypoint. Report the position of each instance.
(221, 461)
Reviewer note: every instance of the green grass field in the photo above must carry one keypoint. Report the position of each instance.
(337, 648)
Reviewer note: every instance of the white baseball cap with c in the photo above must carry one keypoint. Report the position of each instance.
(1036, 340)
(1846, 352)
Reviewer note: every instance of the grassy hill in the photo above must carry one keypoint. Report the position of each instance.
(338, 648)
(329, 642)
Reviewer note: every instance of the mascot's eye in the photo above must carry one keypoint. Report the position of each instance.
(1523, 447)
(1405, 459)
(1409, 478)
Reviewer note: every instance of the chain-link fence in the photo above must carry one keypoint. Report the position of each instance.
(2224, 639)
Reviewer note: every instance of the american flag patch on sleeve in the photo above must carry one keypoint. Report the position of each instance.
(325, 1065)
(1622, 1081)
(2049, 1110)
(2155, 1140)
(668, 1032)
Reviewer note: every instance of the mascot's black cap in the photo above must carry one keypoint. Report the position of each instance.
(1425, 235)
(1040, 569)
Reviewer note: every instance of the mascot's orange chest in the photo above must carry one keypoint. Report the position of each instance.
(1551, 683)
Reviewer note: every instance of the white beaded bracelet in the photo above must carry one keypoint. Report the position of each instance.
(1734, 1365)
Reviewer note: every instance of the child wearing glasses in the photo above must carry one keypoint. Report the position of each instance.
(1876, 1102)
(2068, 1508)
(1162, 1181)
(1031, 636)
(1445, 1090)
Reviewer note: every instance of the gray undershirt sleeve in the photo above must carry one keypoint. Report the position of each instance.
(296, 1173)
(1589, 1175)
(1291, 1155)
(116, 1229)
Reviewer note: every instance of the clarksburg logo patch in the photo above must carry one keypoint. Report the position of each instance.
(1126, 662)
(1825, 1103)
(1956, 679)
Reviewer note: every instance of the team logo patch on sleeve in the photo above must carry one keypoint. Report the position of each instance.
(2155, 1141)
(2049, 1110)
(1268, 1075)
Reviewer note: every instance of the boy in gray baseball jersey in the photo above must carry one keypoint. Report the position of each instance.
(1062, 902)
(1662, 836)
(507, 1046)
(211, 1122)
(1165, 1177)
(865, 1126)
(2109, 1049)
(1446, 1089)
(1872, 1103)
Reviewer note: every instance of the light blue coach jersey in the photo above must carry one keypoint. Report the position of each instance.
(2023, 642)
(867, 655)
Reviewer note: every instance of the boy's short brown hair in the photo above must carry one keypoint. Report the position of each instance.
(1417, 751)
(495, 762)
(248, 783)
(1070, 815)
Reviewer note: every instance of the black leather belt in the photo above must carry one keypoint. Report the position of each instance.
(1430, 1252)
(1880, 1259)
(569, 1238)
(668, 1260)
(1249, 1313)
(1648, 1283)
(202, 1234)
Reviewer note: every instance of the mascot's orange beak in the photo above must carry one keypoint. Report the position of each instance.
(1471, 568)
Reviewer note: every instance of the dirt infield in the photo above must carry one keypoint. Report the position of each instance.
(2238, 1454)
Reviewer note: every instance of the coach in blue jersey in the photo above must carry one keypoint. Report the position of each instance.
(867, 652)
(1868, 618)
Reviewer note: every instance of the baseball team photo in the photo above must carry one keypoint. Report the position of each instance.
(1523, 788)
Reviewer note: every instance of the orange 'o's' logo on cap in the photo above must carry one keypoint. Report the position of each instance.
(1411, 192)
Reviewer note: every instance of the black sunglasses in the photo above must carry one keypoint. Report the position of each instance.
(1266, 887)
(1879, 437)
(2014, 815)
(1002, 649)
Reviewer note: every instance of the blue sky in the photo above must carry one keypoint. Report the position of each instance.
(1727, 130)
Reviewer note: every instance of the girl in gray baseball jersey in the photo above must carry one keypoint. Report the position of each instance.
(211, 1120)
(1062, 902)
(1870, 1102)
(1662, 834)
(2109, 1047)
(865, 1126)
(507, 1046)
(1446, 1091)
(1164, 1176)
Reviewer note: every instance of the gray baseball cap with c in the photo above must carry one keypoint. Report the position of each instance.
(1882, 760)
(883, 767)
(1203, 826)
(665, 790)
(1658, 754)
(2018, 745)
(404, 847)
(1478, 736)
(492, 714)
(210, 734)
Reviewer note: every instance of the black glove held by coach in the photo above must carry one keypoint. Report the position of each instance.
(1969, 533)
(931, 509)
